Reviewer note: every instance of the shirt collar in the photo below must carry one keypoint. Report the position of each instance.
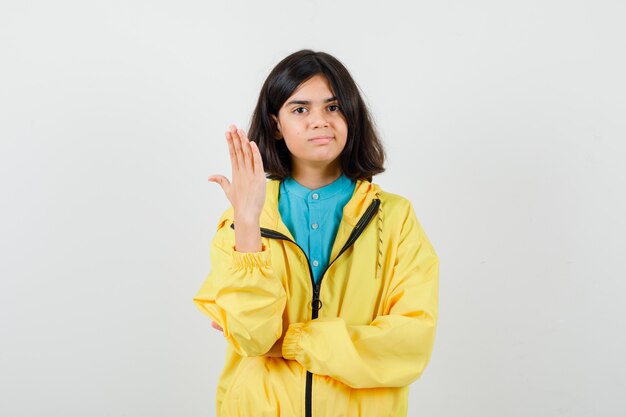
(331, 190)
(364, 193)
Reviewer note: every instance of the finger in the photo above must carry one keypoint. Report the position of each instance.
(242, 135)
(222, 181)
(247, 152)
(231, 150)
(257, 159)
(238, 149)
(216, 326)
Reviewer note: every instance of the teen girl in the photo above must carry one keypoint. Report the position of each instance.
(324, 285)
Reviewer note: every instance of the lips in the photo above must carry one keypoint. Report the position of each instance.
(321, 140)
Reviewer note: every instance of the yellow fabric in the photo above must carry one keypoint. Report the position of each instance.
(375, 331)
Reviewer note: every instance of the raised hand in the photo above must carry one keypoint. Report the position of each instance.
(246, 192)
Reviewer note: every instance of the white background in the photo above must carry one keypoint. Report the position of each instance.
(504, 124)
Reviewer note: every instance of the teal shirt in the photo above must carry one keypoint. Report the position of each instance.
(313, 217)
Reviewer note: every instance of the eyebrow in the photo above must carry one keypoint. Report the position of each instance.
(306, 102)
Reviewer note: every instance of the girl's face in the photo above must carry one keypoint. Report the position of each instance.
(312, 125)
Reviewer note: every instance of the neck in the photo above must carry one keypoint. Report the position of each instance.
(313, 177)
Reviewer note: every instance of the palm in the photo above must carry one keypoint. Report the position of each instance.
(246, 192)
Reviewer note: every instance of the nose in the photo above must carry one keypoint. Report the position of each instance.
(319, 118)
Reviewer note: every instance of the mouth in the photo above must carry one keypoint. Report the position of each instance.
(321, 139)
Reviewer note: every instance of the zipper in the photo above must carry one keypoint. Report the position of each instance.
(316, 303)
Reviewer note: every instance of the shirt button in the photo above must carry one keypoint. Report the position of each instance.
(315, 263)
(314, 226)
(315, 196)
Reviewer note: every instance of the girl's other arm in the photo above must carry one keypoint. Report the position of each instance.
(394, 349)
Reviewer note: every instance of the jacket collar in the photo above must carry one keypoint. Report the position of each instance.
(364, 193)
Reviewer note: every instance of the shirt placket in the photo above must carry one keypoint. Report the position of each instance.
(315, 234)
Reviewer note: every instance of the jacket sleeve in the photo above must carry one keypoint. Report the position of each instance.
(243, 295)
(394, 349)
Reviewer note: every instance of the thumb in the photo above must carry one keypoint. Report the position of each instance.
(222, 181)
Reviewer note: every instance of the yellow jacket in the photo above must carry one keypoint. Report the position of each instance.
(348, 347)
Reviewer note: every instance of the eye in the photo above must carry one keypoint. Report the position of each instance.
(333, 107)
(299, 110)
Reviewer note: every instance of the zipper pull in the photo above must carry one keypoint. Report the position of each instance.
(316, 304)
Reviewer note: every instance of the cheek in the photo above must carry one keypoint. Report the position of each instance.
(291, 126)
(295, 128)
(342, 127)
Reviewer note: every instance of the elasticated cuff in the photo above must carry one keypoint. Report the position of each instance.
(251, 259)
(291, 343)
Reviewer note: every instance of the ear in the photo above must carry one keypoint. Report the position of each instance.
(277, 134)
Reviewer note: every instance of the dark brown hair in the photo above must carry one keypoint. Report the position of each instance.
(363, 156)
